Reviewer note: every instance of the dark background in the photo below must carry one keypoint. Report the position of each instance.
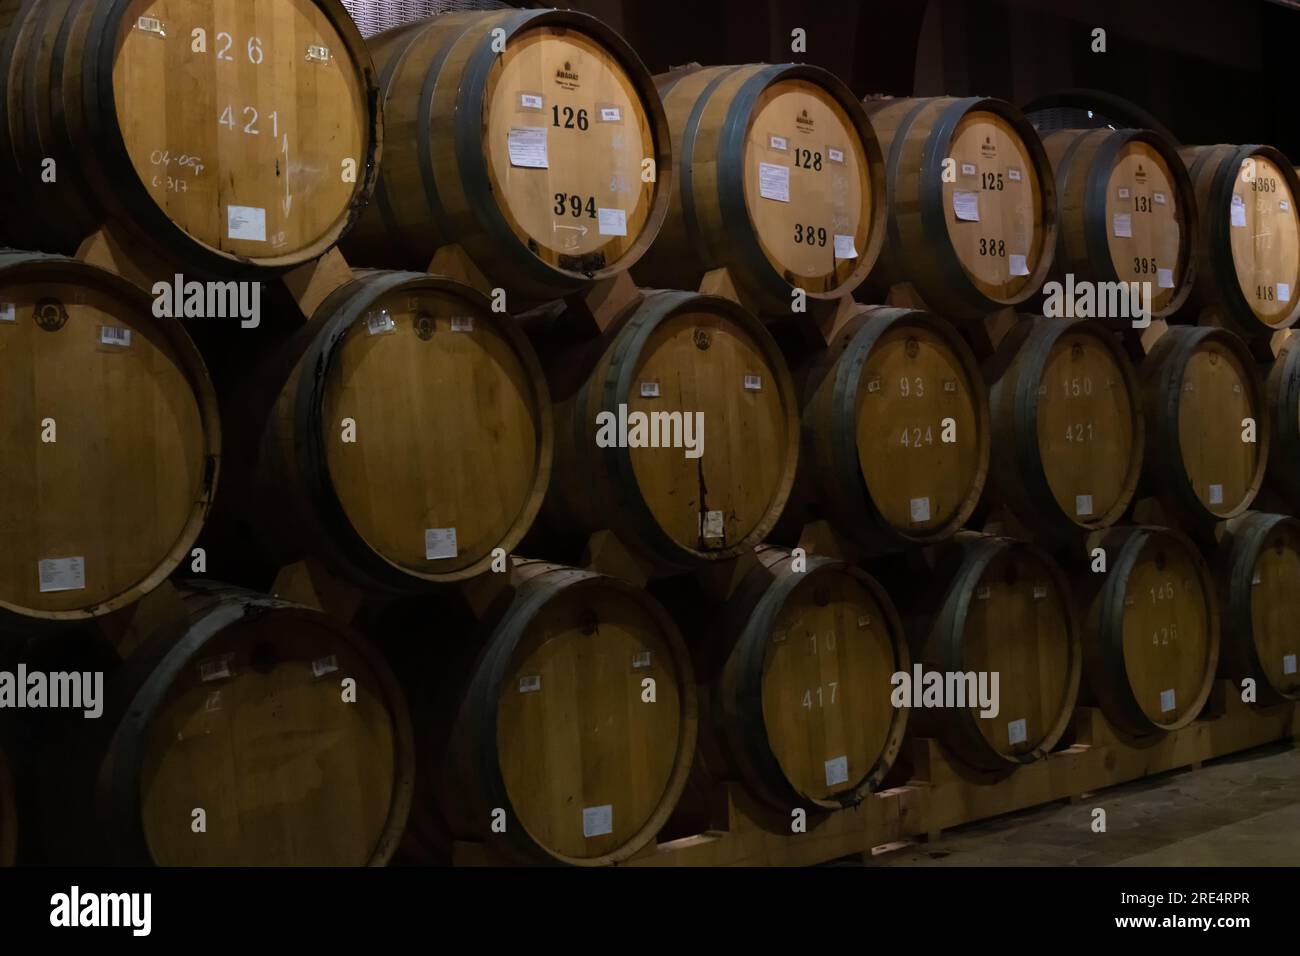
(1211, 70)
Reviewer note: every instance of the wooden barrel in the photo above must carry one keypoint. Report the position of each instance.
(534, 158)
(409, 436)
(800, 709)
(1128, 213)
(996, 605)
(1198, 387)
(282, 725)
(878, 407)
(8, 815)
(1152, 633)
(265, 167)
(779, 179)
(981, 237)
(579, 722)
(707, 380)
(109, 441)
(1067, 426)
(1249, 247)
(1259, 593)
(1282, 394)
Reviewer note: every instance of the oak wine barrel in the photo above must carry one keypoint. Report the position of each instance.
(109, 441)
(1282, 395)
(800, 707)
(232, 138)
(1127, 211)
(879, 405)
(694, 370)
(240, 706)
(556, 726)
(998, 605)
(409, 435)
(1068, 430)
(530, 157)
(972, 217)
(1151, 640)
(1199, 385)
(1259, 592)
(779, 179)
(1249, 247)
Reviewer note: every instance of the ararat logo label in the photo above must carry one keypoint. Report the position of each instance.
(989, 149)
(567, 78)
(804, 122)
(1141, 174)
(51, 315)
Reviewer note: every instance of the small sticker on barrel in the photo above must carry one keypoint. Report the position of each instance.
(8, 312)
(1166, 701)
(597, 821)
(837, 771)
(641, 660)
(713, 524)
(216, 668)
(530, 101)
(530, 684)
(753, 383)
(1082, 505)
(1216, 494)
(439, 544)
(118, 338)
(381, 323)
(649, 389)
(1017, 732)
(1288, 664)
(324, 665)
(778, 142)
(836, 155)
(920, 509)
(462, 323)
(61, 574)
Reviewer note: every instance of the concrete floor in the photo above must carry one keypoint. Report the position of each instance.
(1239, 810)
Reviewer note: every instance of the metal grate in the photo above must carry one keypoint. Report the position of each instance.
(376, 16)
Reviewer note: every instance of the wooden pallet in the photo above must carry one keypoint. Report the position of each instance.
(945, 794)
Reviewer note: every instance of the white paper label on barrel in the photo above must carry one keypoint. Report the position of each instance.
(316, 53)
(439, 544)
(610, 114)
(150, 25)
(462, 323)
(246, 222)
(920, 510)
(110, 335)
(837, 771)
(1158, 198)
(1284, 292)
(1238, 212)
(1013, 174)
(324, 665)
(611, 222)
(649, 389)
(966, 205)
(713, 524)
(527, 147)
(1123, 192)
(774, 182)
(864, 620)
(836, 155)
(216, 668)
(213, 703)
(968, 169)
(1216, 494)
(530, 684)
(1284, 206)
(62, 574)
(983, 592)
(381, 323)
(1083, 505)
(1288, 664)
(844, 248)
(753, 383)
(1166, 700)
(778, 142)
(597, 821)
(1256, 579)
(1040, 592)
(530, 101)
(1017, 731)
(1165, 278)
(1017, 265)
(641, 660)
(8, 312)
(1123, 225)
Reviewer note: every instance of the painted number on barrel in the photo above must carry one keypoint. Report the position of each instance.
(821, 695)
(827, 641)
(917, 436)
(1163, 635)
(992, 181)
(250, 116)
(993, 247)
(1162, 592)
(911, 387)
(1079, 432)
(567, 117)
(1141, 203)
(1265, 293)
(253, 48)
(574, 205)
(1075, 387)
(1264, 184)
(1144, 266)
(809, 235)
(807, 159)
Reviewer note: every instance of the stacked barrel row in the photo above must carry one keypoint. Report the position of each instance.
(410, 433)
